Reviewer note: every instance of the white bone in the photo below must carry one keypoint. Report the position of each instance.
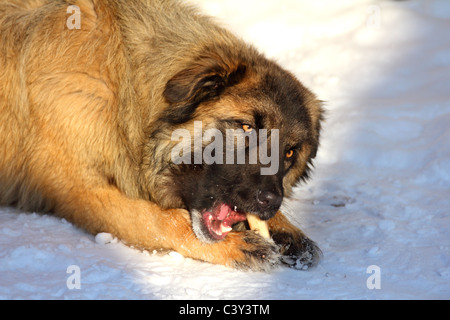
(259, 226)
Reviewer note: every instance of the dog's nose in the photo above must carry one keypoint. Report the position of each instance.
(269, 199)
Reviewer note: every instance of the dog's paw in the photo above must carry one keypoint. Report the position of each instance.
(297, 251)
(253, 252)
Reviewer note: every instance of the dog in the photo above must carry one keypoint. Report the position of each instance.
(92, 93)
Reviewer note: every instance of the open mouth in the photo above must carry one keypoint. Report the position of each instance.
(220, 220)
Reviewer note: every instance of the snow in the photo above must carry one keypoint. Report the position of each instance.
(380, 194)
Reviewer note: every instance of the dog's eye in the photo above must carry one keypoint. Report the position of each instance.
(290, 154)
(247, 128)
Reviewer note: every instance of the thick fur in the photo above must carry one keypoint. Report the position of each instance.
(86, 118)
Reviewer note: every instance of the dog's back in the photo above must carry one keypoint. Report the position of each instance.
(44, 82)
(16, 24)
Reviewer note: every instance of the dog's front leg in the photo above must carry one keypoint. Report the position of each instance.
(145, 225)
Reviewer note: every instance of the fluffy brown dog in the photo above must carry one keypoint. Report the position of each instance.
(88, 108)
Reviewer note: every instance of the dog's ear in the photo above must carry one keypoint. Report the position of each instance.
(194, 84)
(204, 80)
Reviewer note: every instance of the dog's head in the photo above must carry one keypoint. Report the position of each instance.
(244, 133)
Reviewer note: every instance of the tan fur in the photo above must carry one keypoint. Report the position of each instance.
(77, 108)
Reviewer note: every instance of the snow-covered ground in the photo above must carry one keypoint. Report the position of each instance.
(380, 195)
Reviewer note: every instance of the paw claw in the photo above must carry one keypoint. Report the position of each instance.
(298, 252)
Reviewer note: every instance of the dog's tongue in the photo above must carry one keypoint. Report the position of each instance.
(221, 220)
(222, 212)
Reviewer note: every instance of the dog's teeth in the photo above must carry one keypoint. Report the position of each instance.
(226, 229)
